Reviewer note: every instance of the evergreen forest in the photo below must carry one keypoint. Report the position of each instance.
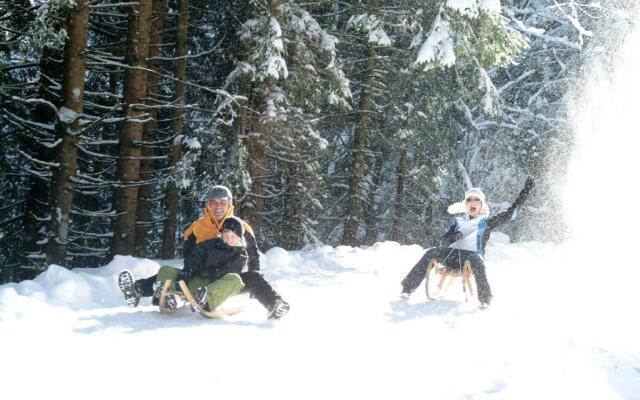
(337, 122)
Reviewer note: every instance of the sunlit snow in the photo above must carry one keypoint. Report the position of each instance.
(563, 323)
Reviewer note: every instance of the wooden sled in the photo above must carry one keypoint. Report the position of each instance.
(439, 278)
(219, 313)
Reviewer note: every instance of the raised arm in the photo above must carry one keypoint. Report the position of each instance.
(511, 212)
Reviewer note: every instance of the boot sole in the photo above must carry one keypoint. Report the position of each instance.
(126, 284)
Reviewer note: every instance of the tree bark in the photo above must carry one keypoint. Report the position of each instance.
(37, 206)
(235, 135)
(401, 170)
(290, 236)
(128, 166)
(68, 129)
(372, 219)
(173, 194)
(401, 173)
(257, 162)
(358, 147)
(147, 169)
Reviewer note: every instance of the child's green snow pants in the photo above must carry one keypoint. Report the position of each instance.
(217, 291)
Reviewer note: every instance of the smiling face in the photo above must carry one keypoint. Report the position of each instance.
(229, 237)
(473, 206)
(218, 207)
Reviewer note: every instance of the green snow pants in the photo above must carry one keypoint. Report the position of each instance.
(217, 291)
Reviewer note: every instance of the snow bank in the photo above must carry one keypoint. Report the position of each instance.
(79, 288)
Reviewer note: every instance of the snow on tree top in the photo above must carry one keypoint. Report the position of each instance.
(438, 47)
(379, 37)
(472, 8)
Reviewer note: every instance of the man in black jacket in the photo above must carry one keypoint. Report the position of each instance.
(218, 208)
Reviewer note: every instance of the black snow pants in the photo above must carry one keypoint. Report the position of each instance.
(451, 258)
(254, 281)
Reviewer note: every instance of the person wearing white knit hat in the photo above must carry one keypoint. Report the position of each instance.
(465, 240)
(474, 198)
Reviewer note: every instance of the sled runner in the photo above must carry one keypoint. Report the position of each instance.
(219, 313)
(439, 278)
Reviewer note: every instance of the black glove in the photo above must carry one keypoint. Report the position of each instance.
(525, 192)
(184, 276)
(528, 185)
(450, 238)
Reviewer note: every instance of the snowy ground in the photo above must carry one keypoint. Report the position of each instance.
(559, 327)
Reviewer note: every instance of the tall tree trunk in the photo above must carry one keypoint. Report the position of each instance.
(236, 157)
(37, 206)
(237, 154)
(401, 170)
(290, 236)
(401, 173)
(147, 169)
(372, 219)
(68, 129)
(173, 195)
(257, 162)
(358, 147)
(128, 167)
(257, 169)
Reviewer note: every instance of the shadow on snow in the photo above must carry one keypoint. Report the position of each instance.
(149, 320)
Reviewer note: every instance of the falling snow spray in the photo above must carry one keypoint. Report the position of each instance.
(602, 196)
(602, 190)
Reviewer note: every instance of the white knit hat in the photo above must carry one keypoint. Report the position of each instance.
(461, 207)
(474, 192)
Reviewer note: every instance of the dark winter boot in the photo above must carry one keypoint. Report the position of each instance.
(128, 287)
(405, 294)
(170, 303)
(279, 309)
(201, 297)
(485, 300)
(145, 286)
(157, 291)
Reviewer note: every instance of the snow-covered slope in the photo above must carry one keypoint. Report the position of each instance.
(556, 329)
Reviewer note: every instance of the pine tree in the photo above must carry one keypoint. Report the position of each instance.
(68, 129)
(126, 193)
(172, 198)
(144, 222)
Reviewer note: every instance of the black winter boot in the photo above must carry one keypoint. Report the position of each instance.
(201, 297)
(485, 300)
(279, 309)
(157, 291)
(129, 289)
(170, 303)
